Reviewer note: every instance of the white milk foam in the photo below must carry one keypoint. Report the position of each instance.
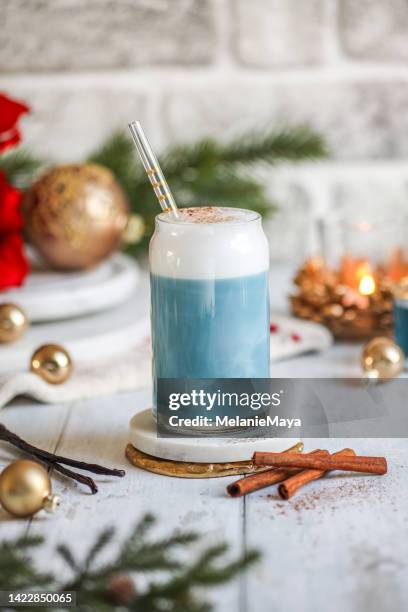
(209, 242)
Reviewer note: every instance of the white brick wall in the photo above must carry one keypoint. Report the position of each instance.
(189, 68)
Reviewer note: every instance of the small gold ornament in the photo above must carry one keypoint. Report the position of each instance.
(382, 358)
(52, 362)
(75, 215)
(25, 489)
(13, 323)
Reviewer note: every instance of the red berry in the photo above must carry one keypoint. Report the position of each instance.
(273, 328)
(295, 337)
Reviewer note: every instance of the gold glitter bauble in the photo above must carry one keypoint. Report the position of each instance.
(52, 362)
(13, 323)
(25, 488)
(75, 215)
(382, 358)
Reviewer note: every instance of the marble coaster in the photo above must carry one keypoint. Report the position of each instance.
(143, 436)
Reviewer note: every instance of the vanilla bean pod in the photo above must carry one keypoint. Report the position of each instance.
(8, 436)
(85, 480)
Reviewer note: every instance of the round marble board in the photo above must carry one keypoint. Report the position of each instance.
(49, 295)
(92, 339)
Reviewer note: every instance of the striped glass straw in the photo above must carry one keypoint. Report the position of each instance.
(153, 170)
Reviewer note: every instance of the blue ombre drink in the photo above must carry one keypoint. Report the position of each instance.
(209, 295)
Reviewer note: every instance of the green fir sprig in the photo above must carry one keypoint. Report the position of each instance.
(208, 171)
(200, 173)
(173, 586)
(20, 167)
(16, 569)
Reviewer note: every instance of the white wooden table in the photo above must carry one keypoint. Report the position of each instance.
(340, 546)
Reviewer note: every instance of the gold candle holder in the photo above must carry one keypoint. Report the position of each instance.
(354, 301)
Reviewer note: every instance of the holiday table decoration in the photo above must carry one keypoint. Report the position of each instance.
(114, 585)
(347, 462)
(13, 322)
(349, 287)
(25, 489)
(382, 359)
(57, 462)
(75, 215)
(208, 171)
(353, 302)
(119, 336)
(10, 113)
(201, 172)
(265, 478)
(13, 263)
(52, 295)
(294, 471)
(53, 363)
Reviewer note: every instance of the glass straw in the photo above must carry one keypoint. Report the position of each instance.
(153, 170)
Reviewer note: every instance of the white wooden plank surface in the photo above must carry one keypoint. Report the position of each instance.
(343, 542)
(342, 545)
(97, 431)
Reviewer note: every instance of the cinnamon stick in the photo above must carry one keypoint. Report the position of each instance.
(255, 482)
(369, 465)
(294, 483)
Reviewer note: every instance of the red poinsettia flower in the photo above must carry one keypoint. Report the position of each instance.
(10, 113)
(13, 263)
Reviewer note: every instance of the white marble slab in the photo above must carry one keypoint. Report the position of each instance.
(90, 339)
(48, 295)
(143, 435)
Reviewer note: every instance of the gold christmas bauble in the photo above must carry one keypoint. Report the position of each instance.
(75, 215)
(382, 358)
(25, 488)
(13, 323)
(52, 362)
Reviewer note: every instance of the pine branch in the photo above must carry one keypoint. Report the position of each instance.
(101, 543)
(136, 556)
(65, 553)
(118, 154)
(16, 569)
(20, 167)
(286, 144)
(203, 573)
(201, 173)
(93, 584)
(227, 188)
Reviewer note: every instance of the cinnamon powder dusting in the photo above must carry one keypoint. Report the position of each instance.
(206, 214)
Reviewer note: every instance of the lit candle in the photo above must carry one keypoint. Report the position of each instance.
(366, 285)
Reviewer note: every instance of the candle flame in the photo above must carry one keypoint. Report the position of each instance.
(367, 284)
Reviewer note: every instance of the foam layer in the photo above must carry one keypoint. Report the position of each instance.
(209, 242)
(210, 214)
